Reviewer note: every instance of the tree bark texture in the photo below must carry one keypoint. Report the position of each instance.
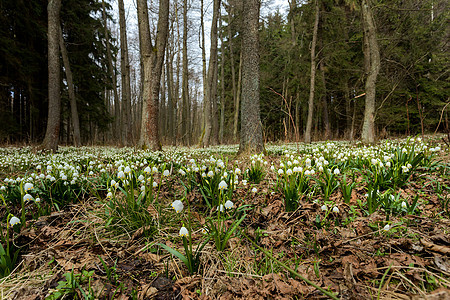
(211, 88)
(313, 77)
(125, 70)
(372, 67)
(153, 58)
(251, 128)
(72, 99)
(185, 125)
(54, 79)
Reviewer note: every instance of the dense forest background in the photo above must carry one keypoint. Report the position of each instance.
(411, 91)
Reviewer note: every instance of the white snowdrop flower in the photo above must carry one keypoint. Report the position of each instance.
(288, 172)
(325, 162)
(203, 174)
(220, 208)
(205, 230)
(324, 207)
(73, 181)
(90, 173)
(308, 162)
(27, 197)
(409, 166)
(14, 220)
(225, 174)
(143, 188)
(403, 204)
(229, 204)
(196, 169)
(307, 172)
(154, 170)
(280, 172)
(237, 171)
(184, 231)
(166, 173)
(52, 178)
(437, 149)
(272, 193)
(113, 183)
(281, 165)
(289, 163)
(121, 174)
(2, 188)
(387, 227)
(141, 177)
(37, 200)
(147, 170)
(155, 184)
(210, 174)
(64, 177)
(388, 164)
(42, 176)
(177, 205)
(335, 209)
(254, 190)
(295, 162)
(27, 187)
(223, 185)
(38, 167)
(109, 195)
(127, 170)
(244, 182)
(320, 169)
(295, 169)
(374, 161)
(404, 150)
(336, 171)
(312, 172)
(272, 167)
(181, 172)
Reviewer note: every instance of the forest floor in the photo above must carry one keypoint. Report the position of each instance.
(370, 230)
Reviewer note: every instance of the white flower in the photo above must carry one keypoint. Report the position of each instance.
(244, 182)
(27, 197)
(143, 188)
(155, 184)
(223, 185)
(288, 172)
(38, 200)
(184, 231)
(166, 173)
(229, 204)
(280, 171)
(220, 208)
(336, 171)
(254, 190)
(109, 195)
(388, 164)
(121, 174)
(237, 171)
(154, 170)
(181, 172)
(127, 170)
(324, 207)
(403, 204)
(210, 174)
(2, 188)
(177, 205)
(387, 227)
(28, 186)
(141, 177)
(14, 220)
(335, 209)
(272, 167)
(147, 170)
(205, 230)
(90, 174)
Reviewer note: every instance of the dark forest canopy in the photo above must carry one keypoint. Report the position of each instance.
(411, 90)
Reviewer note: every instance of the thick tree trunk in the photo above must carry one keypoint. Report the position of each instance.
(54, 79)
(325, 114)
(233, 77)
(185, 127)
(125, 70)
(222, 87)
(237, 106)
(251, 127)
(170, 100)
(72, 99)
(372, 67)
(153, 58)
(313, 77)
(205, 84)
(211, 90)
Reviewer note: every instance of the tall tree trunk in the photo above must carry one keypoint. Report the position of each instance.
(204, 80)
(211, 88)
(54, 81)
(113, 77)
(185, 127)
(348, 112)
(222, 86)
(153, 58)
(233, 76)
(313, 77)
(125, 70)
(251, 127)
(170, 100)
(72, 99)
(326, 120)
(372, 67)
(238, 98)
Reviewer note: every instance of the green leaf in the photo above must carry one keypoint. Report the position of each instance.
(175, 252)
